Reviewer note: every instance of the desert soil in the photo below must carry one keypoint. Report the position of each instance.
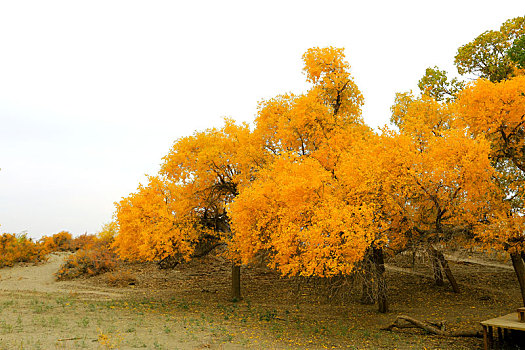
(188, 307)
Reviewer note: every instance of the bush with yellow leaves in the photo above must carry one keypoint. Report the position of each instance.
(16, 248)
(93, 255)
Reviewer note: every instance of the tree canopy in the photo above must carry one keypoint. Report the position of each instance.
(487, 56)
(316, 192)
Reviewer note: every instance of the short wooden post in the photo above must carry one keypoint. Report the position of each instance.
(486, 345)
(521, 314)
(490, 337)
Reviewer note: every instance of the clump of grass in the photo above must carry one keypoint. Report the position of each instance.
(83, 322)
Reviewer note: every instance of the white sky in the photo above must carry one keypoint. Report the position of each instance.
(93, 93)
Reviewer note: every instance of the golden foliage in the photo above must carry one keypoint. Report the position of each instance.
(185, 203)
(327, 69)
(312, 187)
(497, 111)
(148, 228)
(58, 242)
(421, 117)
(320, 123)
(92, 259)
(448, 170)
(108, 232)
(295, 212)
(15, 248)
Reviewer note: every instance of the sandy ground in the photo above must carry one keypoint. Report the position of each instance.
(38, 312)
(189, 307)
(40, 278)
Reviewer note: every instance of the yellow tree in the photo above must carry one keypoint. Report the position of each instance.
(181, 213)
(319, 210)
(299, 216)
(296, 211)
(497, 111)
(432, 195)
(493, 55)
(319, 123)
(454, 173)
(156, 223)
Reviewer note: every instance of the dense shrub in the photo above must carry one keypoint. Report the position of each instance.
(91, 260)
(85, 241)
(63, 242)
(93, 254)
(59, 242)
(16, 248)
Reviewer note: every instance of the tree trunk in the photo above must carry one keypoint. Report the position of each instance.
(236, 282)
(446, 268)
(448, 273)
(367, 292)
(519, 268)
(437, 269)
(382, 302)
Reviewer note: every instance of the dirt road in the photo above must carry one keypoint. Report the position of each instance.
(40, 278)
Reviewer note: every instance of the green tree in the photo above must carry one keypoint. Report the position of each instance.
(517, 52)
(487, 56)
(436, 84)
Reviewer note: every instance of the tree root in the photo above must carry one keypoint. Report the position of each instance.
(432, 328)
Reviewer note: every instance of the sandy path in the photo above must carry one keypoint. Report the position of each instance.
(506, 266)
(40, 278)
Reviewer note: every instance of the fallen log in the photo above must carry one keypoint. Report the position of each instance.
(410, 322)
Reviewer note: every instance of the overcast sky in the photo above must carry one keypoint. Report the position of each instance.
(94, 93)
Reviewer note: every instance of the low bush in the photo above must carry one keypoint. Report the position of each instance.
(91, 260)
(16, 248)
(59, 242)
(92, 256)
(84, 241)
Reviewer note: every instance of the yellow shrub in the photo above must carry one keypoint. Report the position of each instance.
(59, 242)
(18, 248)
(88, 261)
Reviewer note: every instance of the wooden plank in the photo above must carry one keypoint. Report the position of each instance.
(509, 321)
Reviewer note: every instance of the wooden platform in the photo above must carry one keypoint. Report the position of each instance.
(504, 325)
